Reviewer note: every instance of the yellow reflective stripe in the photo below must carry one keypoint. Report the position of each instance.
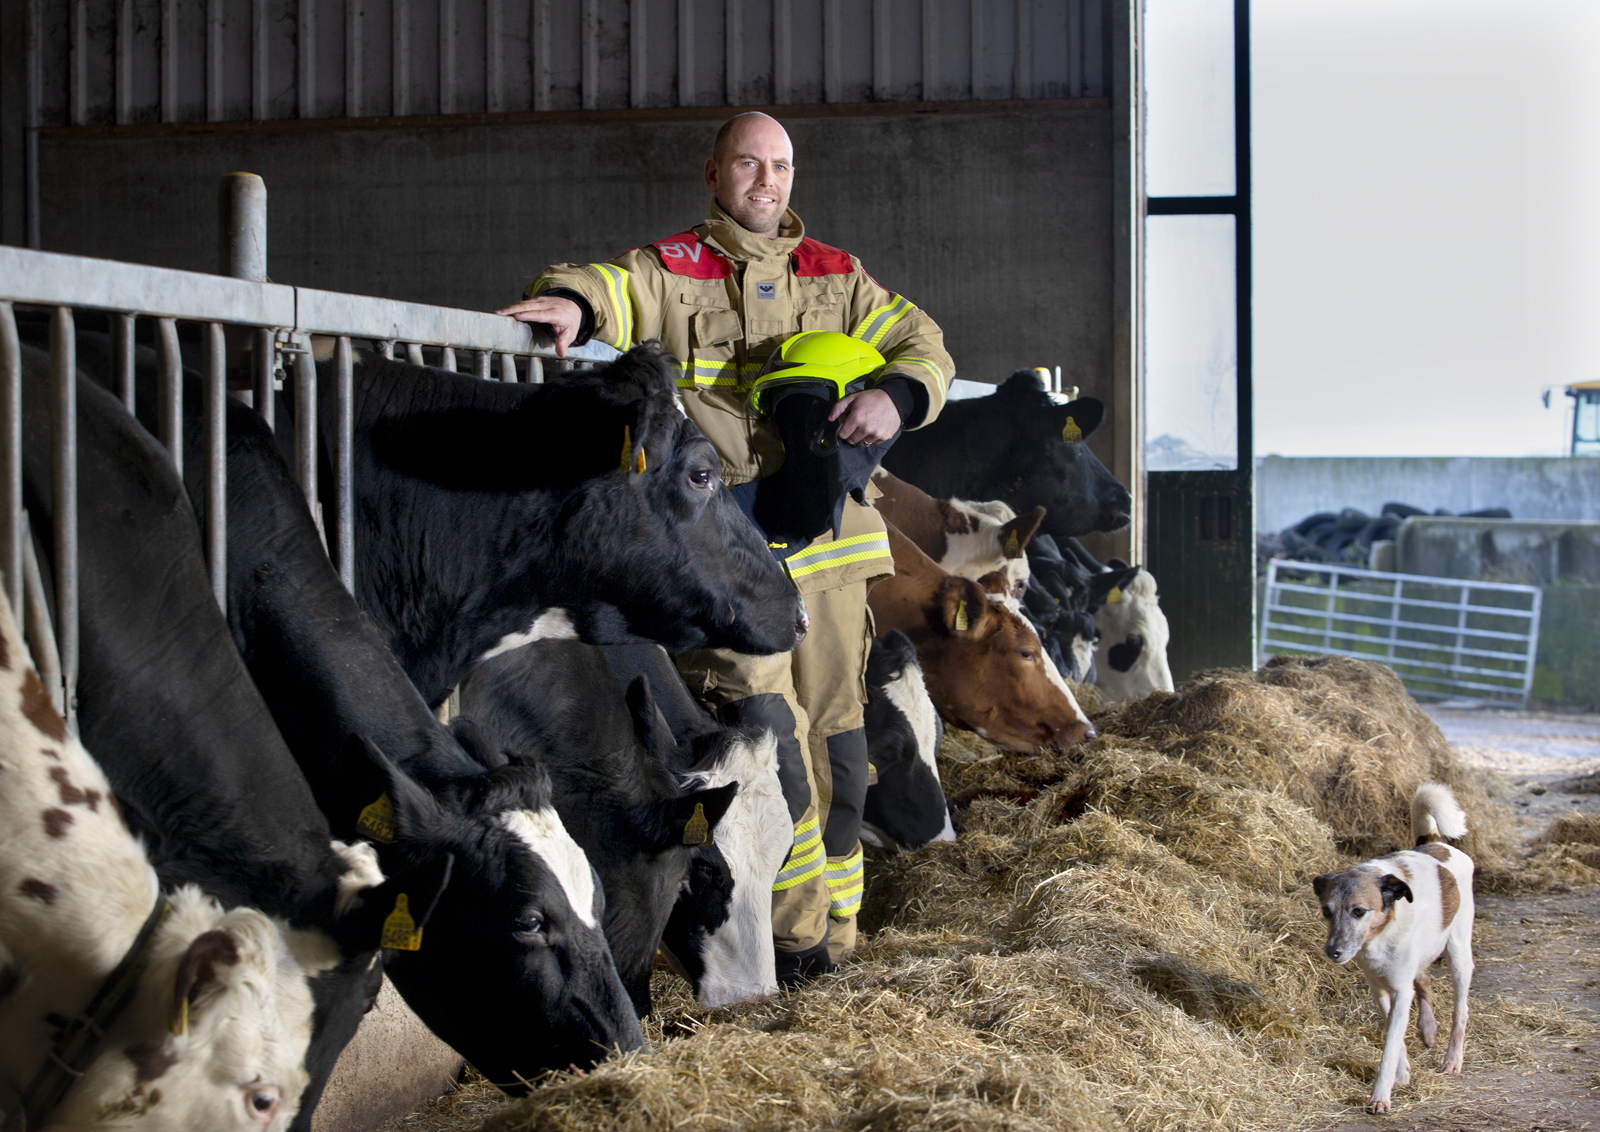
(845, 887)
(805, 859)
(621, 305)
(926, 363)
(857, 548)
(877, 323)
(710, 373)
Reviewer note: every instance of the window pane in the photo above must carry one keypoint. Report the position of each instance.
(1191, 344)
(1188, 82)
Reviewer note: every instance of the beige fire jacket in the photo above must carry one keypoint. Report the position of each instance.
(722, 299)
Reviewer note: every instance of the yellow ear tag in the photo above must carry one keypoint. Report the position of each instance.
(1013, 545)
(1115, 596)
(627, 446)
(961, 618)
(638, 466)
(399, 929)
(180, 1019)
(377, 820)
(1070, 432)
(697, 831)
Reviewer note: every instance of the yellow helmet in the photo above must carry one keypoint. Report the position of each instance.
(824, 360)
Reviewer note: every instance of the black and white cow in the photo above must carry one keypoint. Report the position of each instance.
(190, 749)
(482, 507)
(1022, 446)
(906, 806)
(719, 935)
(1132, 654)
(486, 983)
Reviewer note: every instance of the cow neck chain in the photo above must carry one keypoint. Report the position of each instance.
(80, 1037)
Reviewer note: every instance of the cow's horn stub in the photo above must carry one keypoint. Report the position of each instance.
(697, 830)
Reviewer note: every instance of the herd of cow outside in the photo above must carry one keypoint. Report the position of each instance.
(194, 920)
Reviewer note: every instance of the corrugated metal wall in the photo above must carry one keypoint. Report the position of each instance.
(135, 61)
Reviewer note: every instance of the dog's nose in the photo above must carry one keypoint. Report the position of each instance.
(1333, 953)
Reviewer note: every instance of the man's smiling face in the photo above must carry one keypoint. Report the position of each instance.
(752, 171)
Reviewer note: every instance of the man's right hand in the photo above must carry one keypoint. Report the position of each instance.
(562, 316)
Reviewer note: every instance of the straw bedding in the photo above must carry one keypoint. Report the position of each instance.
(1123, 937)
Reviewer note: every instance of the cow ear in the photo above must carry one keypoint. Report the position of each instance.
(197, 971)
(692, 819)
(476, 743)
(1118, 564)
(393, 807)
(1023, 382)
(1393, 888)
(1016, 534)
(650, 726)
(966, 607)
(1078, 419)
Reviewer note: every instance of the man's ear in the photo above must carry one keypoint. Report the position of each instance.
(1393, 888)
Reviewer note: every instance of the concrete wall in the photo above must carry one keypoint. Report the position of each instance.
(1531, 487)
(1525, 552)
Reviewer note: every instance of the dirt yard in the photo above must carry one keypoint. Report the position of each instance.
(1540, 948)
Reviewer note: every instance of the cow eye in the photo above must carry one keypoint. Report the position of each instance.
(530, 928)
(701, 477)
(1026, 654)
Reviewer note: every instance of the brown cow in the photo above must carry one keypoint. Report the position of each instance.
(969, 539)
(982, 663)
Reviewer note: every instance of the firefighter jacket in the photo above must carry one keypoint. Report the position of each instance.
(722, 299)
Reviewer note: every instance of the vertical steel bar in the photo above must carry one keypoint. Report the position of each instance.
(980, 55)
(733, 51)
(414, 353)
(589, 54)
(258, 60)
(1075, 48)
(344, 516)
(400, 59)
(1022, 67)
(686, 53)
(638, 72)
(122, 357)
(169, 392)
(783, 51)
(494, 85)
(354, 55)
(78, 74)
(169, 60)
(242, 227)
(30, 110)
(539, 55)
(881, 61)
(11, 459)
(508, 367)
(216, 466)
(124, 97)
(305, 58)
(480, 364)
(930, 50)
(447, 357)
(447, 56)
(833, 50)
(213, 60)
(40, 630)
(386, 348)
(64, 496)
(262, 363)
(535, 371)
(305, 421)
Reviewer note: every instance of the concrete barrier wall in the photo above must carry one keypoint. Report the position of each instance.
(1288, 488)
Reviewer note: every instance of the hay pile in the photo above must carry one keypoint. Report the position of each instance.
(1123, 937)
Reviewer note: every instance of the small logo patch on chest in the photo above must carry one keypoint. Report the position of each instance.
(766, 290)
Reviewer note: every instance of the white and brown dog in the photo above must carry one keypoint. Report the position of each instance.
(1397, 914)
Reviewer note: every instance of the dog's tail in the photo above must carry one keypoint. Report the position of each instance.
(1435, 814)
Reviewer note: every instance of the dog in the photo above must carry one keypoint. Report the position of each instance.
(1397, 914)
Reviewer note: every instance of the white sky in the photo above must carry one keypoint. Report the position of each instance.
(1427, 244)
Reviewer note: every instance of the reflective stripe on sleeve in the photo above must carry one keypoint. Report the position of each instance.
(730, 374)
(877, 323)
(840, 552)
(805, 859)
(845, 885)
(621, 302)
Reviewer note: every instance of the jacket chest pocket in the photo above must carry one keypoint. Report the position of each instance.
(824, 316)
(713, 326)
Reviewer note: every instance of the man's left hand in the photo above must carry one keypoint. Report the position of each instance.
(869, 417)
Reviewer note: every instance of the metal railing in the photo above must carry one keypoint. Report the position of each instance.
(1444, 637)
(280, 321)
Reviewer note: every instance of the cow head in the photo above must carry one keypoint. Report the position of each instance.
(661, 542)
(1132, 653)
(985, 672)
(514, 921)
(906, 806)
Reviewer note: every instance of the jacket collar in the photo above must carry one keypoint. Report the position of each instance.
(734, 240)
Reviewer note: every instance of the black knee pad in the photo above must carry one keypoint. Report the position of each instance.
(847, 755)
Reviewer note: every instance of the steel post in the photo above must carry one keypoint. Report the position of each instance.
(508, 367)
(122, 360)
(262, 364)
(242, 216)
(11, 459)
(216, 467)
(344, 531)
(305, 421)
(64, 497)
(169, 394)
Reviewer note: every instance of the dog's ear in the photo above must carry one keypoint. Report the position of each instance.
(1393, 888)
(1321, 884)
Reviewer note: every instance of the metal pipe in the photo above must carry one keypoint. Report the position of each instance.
(589, 54)
(11, 458)
(733, 51)
(305, 422)
(169, 60)
(539, 34)
(38, 628)
(242, 214)
(833, 50)
(305, 60)
(258, 60)
(480, 364)
(261, 383)
(386, 348)
(882, 23)
(638, 61)
(214, 60)
(414, 353)
(169, 392)
(508, 367)
(216, 468)
(30, 136)
(64, 497)
(124, 66)
(535, 371)
(447, 56)
(494, 86)
(447, 357)
(783, 51)
(78, 63)
(400, 59)
(686, 53)
(353, 58)
(344, 514)
(122, 347)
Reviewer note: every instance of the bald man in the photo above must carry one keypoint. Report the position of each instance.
(722, 297)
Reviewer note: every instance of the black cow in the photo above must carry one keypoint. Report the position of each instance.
(906, 806)
(481, 506)
(486, 984)
(166, 704)
(617, 785)
(1019, 445)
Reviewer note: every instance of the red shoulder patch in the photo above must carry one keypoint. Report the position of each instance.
(684, 254)
(814, 258)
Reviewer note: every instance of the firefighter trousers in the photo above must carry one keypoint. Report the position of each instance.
(813, 700)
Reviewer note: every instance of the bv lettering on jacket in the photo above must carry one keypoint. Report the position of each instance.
(684, 254)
